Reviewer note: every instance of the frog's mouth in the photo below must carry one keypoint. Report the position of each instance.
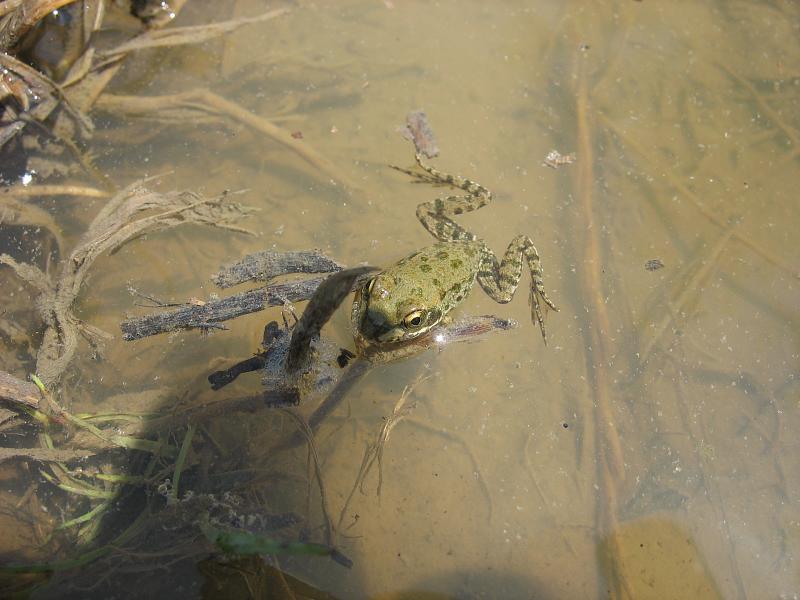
(377, 328)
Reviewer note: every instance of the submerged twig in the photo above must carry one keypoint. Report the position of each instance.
(206, 101)
(696, 273)
(195, 34)
(374, 449)
(709, 214)
(23, 214)
(20, 15)
(34, 191)
(39, 98)
(597, 331)
(17, 391)
(304, 428)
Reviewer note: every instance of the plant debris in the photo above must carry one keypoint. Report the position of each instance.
(418, 130)
(555, 159)
(128, 215)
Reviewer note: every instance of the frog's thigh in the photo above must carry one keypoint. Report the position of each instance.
(501, 281)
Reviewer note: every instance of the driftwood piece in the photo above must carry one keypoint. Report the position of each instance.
(257, 266)
(192, 316)
(263, 266)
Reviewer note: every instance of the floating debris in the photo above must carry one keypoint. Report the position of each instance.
(555, 159)
(654, 264)
(418, 130)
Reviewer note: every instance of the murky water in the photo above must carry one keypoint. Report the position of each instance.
(648, 451)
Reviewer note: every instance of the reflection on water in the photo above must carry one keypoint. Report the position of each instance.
(647, 451)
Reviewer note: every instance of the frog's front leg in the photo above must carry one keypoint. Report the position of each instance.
(501, 281)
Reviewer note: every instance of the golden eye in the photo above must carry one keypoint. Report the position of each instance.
(413, 319)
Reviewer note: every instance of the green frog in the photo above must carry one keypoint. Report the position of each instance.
(416, 294)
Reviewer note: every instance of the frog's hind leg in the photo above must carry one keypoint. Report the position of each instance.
(434, 219)
(436, 216)
(501, 281)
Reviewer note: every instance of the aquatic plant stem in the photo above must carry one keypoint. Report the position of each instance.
(179, 462)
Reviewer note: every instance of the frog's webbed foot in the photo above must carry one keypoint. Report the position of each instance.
(435, 177)
(537, 294)
(419, 177)
(344, 358)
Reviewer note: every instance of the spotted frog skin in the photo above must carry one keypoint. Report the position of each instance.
(413, 296)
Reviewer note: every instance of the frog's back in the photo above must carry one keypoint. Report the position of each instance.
(440, 275)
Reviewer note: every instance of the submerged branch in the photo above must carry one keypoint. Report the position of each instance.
(17, 391)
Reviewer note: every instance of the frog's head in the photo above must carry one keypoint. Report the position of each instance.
(386, 312)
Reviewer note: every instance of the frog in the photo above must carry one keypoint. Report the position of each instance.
(415, 295)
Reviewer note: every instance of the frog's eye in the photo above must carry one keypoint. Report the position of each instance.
(413, 319)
